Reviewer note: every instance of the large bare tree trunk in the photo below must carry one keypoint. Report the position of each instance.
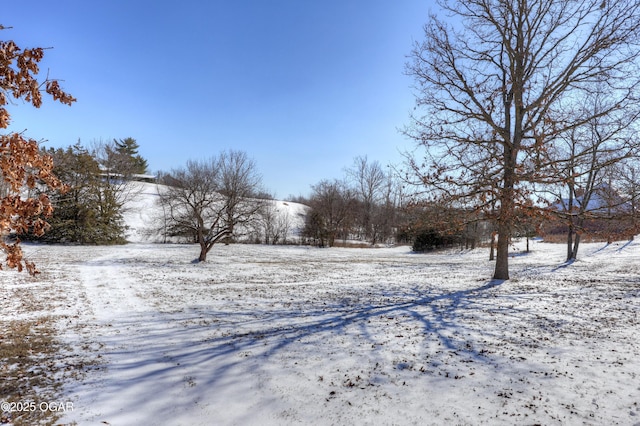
(502, 252)
(202, 242)
(203, 253)
(507, 193)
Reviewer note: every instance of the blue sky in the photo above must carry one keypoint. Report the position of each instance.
(303, 86)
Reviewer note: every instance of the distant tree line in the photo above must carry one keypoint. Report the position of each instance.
(365, 205)
(222, 200)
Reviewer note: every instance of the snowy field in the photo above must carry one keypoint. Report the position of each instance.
(296, 335)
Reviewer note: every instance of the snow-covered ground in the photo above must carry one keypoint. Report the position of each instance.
(296, 335)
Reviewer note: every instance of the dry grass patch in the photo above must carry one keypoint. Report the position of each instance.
(34, 363)
(352, 244)
(30, 373)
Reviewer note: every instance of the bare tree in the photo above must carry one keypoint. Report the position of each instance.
(584, 157)
(485, 90)
(240, 183)
(331, 204)
(628, 172)
(275, 224)
(208, 200)
(194, 205)
(368, 180)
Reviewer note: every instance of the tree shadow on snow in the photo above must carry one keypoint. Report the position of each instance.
(184, 355)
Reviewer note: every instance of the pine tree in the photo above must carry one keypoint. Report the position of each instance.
(89, 212)
(133, 162)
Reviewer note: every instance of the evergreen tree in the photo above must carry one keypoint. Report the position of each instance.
(132, 161)
(88, 213)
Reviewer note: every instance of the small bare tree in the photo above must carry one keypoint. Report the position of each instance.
(628, 172)
(368, 180)
(331, 212)
(275, 224)
(207, 200)
(585, 153)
